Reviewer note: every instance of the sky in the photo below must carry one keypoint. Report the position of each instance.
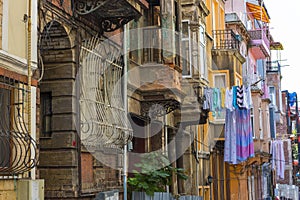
(284, 27)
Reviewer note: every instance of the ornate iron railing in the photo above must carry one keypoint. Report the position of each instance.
(18, 150)
(225, 39)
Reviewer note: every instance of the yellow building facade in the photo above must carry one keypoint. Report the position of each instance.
(18, 128)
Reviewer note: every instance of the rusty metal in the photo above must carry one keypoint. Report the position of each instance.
(18, 150)
(111, 14)
(84, 7)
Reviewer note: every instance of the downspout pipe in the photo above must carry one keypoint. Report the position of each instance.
(29, 24)
(77, 86)
(125, 44)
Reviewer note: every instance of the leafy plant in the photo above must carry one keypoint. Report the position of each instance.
(154, 175)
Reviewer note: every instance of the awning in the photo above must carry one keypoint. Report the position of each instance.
(258, 12)
(276, 46)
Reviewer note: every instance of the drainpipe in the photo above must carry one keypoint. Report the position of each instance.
(78, 141)
(29, 68)
(165, 117)
(125, 108)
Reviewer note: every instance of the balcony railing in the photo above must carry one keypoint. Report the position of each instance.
(233, 17)
(225, 39)
(256, 35)
(153, 45)
(273, 66)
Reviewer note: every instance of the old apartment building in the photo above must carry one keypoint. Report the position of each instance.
(113, 81)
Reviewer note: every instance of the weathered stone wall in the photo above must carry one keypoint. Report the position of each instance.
(7, 190)
(59, 158)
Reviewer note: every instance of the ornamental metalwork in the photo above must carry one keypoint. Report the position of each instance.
(84, 7)
(112, 24)
(18, 150)
(111, 14)
(158, 108)
(104, 122)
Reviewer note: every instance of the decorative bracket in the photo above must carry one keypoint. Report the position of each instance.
(112, 24)
(158, 108)
(84, 7)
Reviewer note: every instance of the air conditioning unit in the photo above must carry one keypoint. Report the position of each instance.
(30, 189)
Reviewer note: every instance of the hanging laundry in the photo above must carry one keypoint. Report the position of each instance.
(239, 144)
(234, 97)
(247, 97)
(245, 145)
(282, 160)
(230, 150)
(207, 98)
(223, 94)
(292, 98)
(229, 99)
(216, 108)
(278, 159)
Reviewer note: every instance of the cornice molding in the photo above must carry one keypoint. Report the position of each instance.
(14, 63)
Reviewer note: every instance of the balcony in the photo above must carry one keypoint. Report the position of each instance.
(260, 44)
(157, 48)
(233, 18)
(226, 40)
(159, 75)
(112, 14)
(273, 67)
(227, 49)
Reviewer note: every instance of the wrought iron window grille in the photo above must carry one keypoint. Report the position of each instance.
(18, 150)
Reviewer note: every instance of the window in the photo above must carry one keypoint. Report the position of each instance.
(17, 149)
(220, 81)
(202, 34)
(280, 100)
(5, 126)
(186, 50)
(203, 66)
(272, 93)
(249, 25)
(46, 114)
(251, 187)
(261, 129)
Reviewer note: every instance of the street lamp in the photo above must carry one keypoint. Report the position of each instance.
(209, 181)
